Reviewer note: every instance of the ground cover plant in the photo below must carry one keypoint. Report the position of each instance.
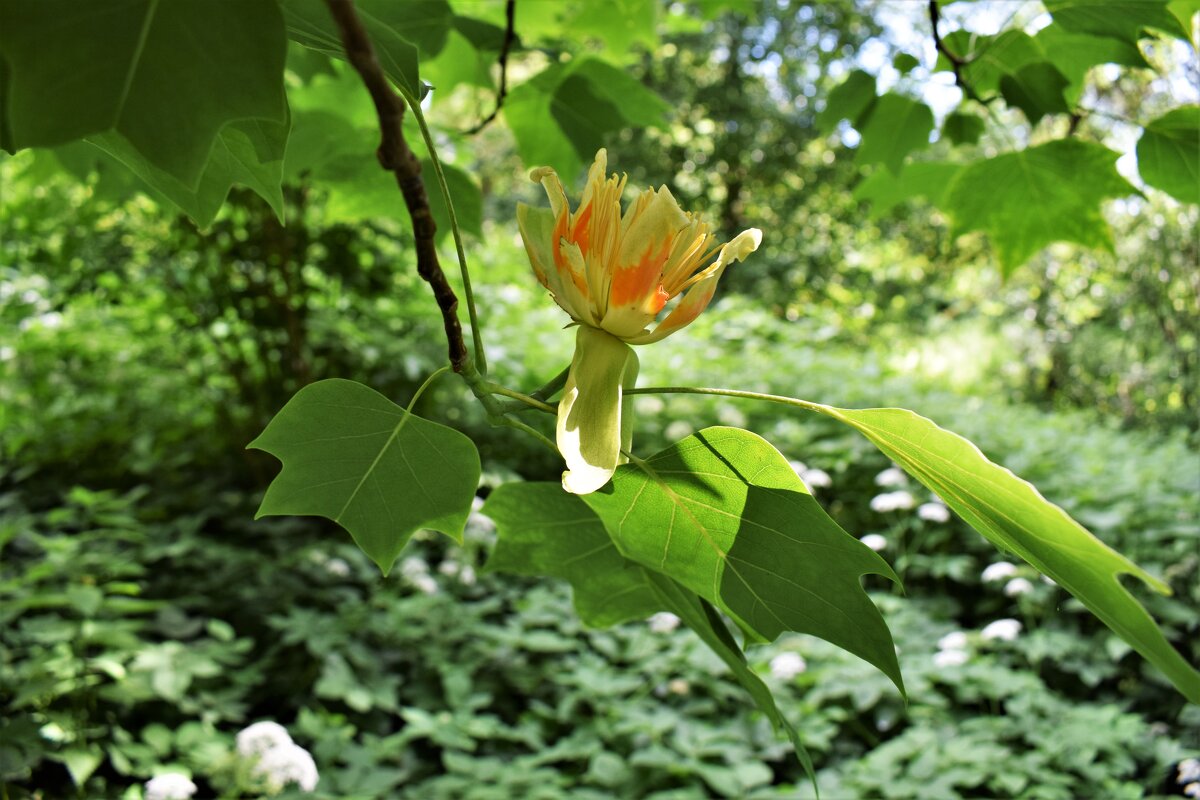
(155, 634)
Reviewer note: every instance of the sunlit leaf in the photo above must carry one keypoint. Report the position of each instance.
(351, 455)
(897, 126)
(724, 514)
(885, 190)
(849, 100)
(961, 128)
(1121, 19)
(1013, 515)
(1025, 200)
(1169, 154)
(1036, 89)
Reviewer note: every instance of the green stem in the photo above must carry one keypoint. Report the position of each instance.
(421, 389)
(476, 333)
(533, 402)
(772, 398)
(553, 385)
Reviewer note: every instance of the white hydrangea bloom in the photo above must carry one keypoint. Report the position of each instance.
(816, 479)
(169, 786)
(957, 640)
(1188, 770)
(1000, 571)
(933, 512)
(285, 765)
(1017, 587)
(874, 541)
(663, 622)
(892, 501)
(892, 476)
(1002, 629)
(261, 737)
(786, 666)
(949, 658)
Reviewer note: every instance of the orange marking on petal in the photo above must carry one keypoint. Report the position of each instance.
(632, 284)
(660, 299)
(581, 231)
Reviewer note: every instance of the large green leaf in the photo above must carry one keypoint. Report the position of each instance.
(1169, 154)
(168, 77)
(249, 153)
(989, 58)
(962, 128)
(849, 100)
(543, 530)
(309, 24)
(1075, 53)
(897, 126)
(1036, 89)
(351, 455)
(1027, 199)
(885, 190)
(724, 514)
(1012, 514)
(1120, 19)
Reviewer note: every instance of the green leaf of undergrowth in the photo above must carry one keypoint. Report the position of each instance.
(1028, 199)
(1120, 19)
(961, 128)
(1169, 154)
(850, 100)
(885, 189)
(543, 530)
(351, 455)
(896, 127)
(1012, 514)
(118, 67)
(724, 514)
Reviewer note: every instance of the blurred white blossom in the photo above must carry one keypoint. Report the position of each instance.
(424, 583)
(1003, 629)
(892, 476)
(1001, 570)
(731, 416)
(413, 566)
(874, 541)
(933, 512)
(950, 658)
(648, 405)
(285, 765)
(1017, 587)
(663, 622)
(466, 575)
(816, 479)
(892, 501)
(678, 430)
(338, 567)
(261, 737)
(786, 666)
(1188, 770)
(169, 786)
(679, 686)
(1192, 790)
(956, 640)
(799, 466)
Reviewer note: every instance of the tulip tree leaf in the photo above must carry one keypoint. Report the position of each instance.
(166, 76)
(896, 127)
(962, 128)
(885, 190)
(1120, 19)
(1075, 53)
(351, 455)
(724, 514)
(1169, 154)
(249, 153)
(309, 24)
(849, 100)
(1036, 89)
(1013, 515)
(543, 530)
(1027, 199)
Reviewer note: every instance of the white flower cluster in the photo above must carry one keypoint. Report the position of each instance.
(813, 478)
(416, 572)
(480, 527)
(786, 666)
(464, 572)
(952, 650)
(933, 512)
(892, 476)
(278, 761)
(874, 541)
(1015, 586)
(893, 501)
(663, 622)
(1187, 775)
(169, 786)
(1004, 630)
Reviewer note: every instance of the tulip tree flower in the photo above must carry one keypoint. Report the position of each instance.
(614, 273)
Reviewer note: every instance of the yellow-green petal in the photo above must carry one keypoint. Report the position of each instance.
(594, 423)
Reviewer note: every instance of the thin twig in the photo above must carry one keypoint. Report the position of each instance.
(396, 157)
(510, 13)
(956, 61)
